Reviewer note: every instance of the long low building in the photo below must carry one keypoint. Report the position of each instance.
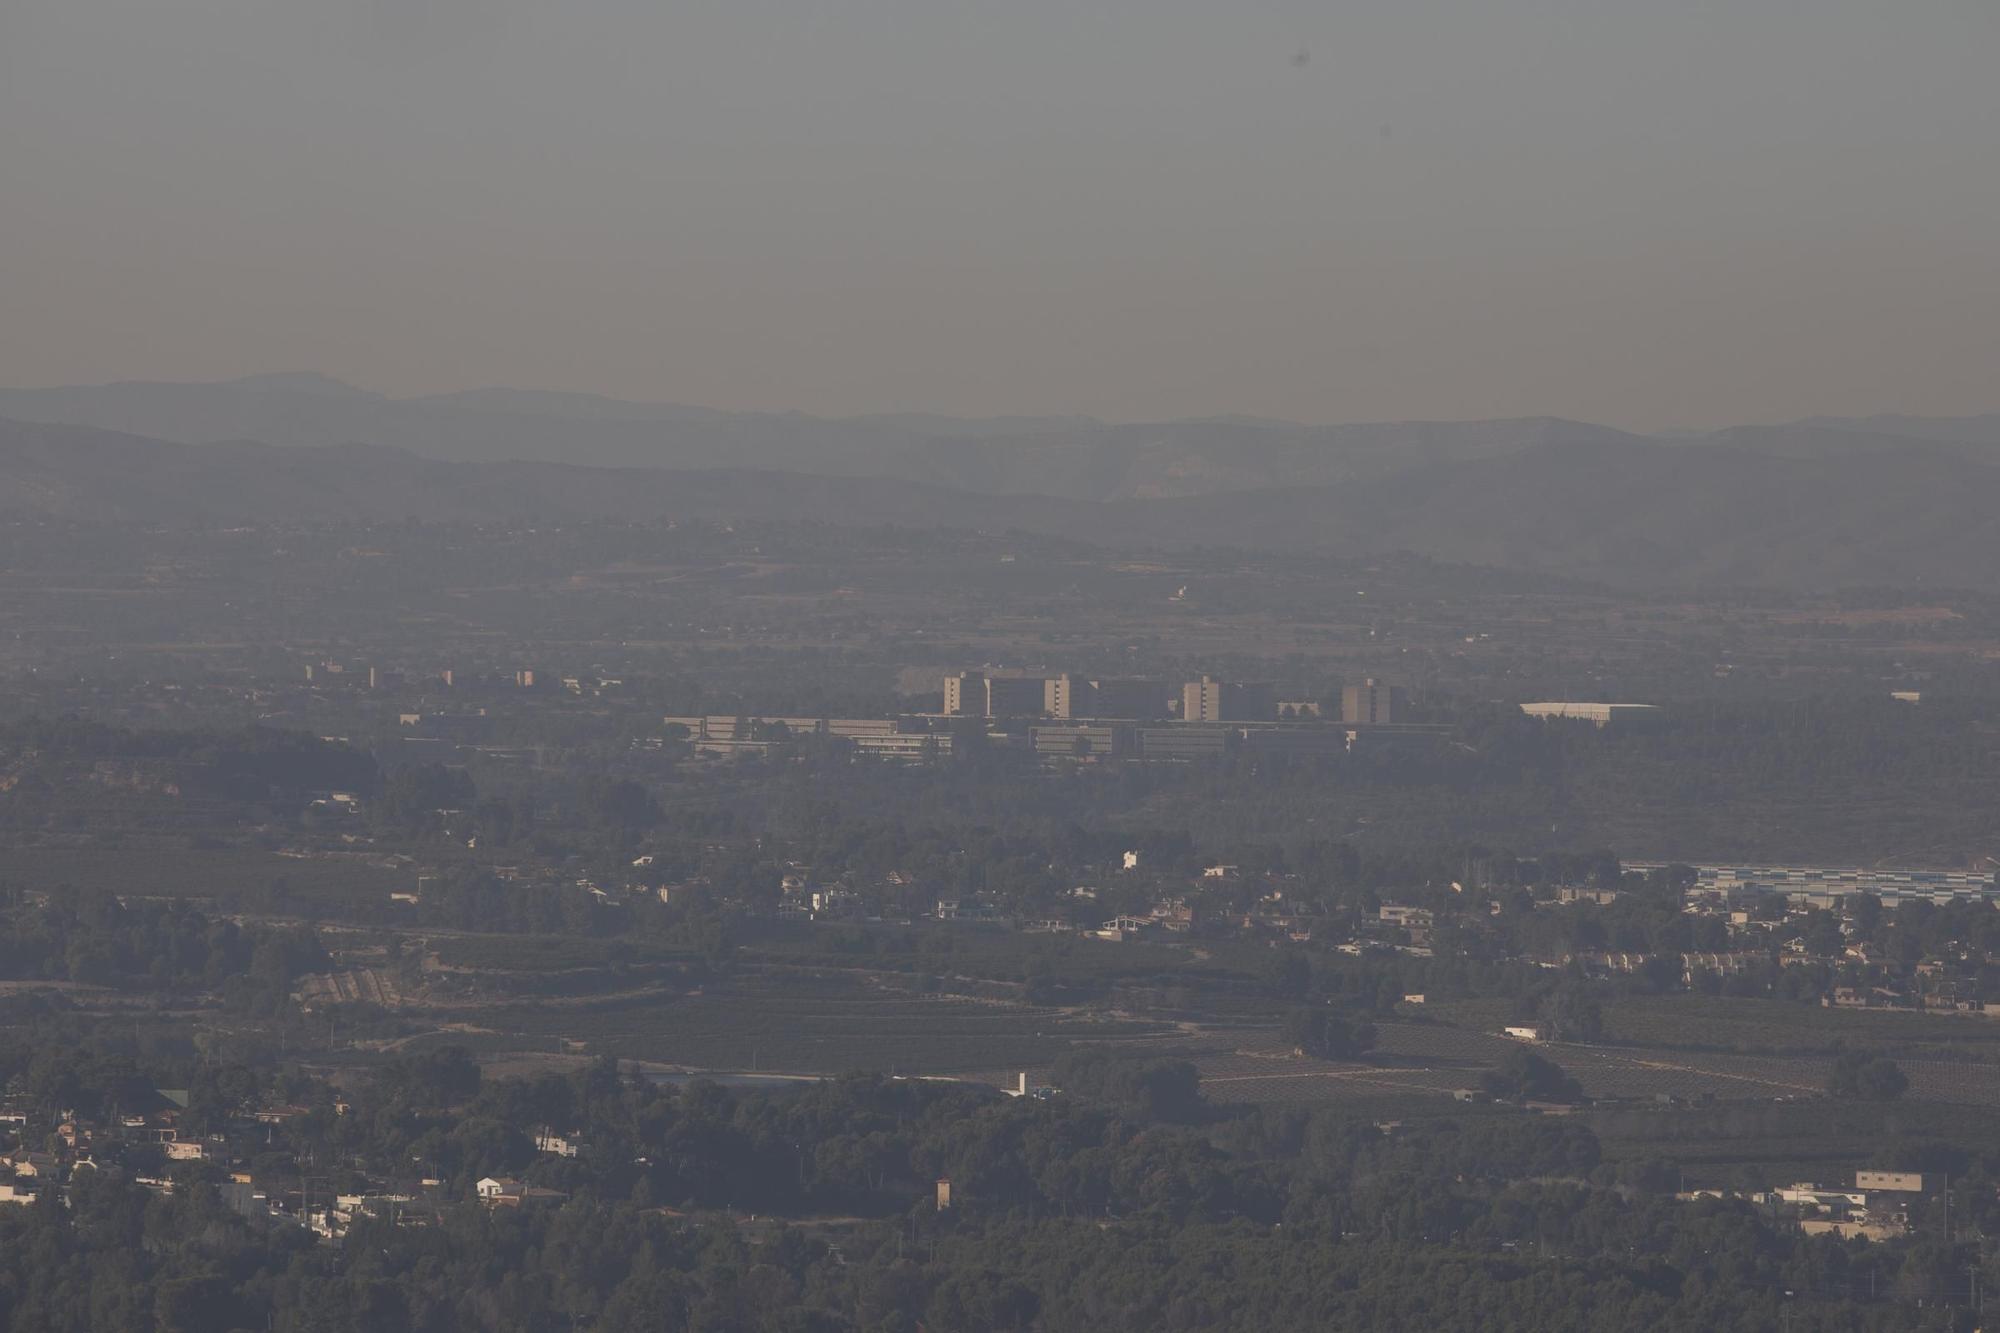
(924, 736)
(775, 726)
(911, 738)
(1828, 883)
(910, 746)
(1078, 740)
(1602, 715)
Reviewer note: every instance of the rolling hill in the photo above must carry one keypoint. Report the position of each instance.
(1070, 456)
(1638, 513)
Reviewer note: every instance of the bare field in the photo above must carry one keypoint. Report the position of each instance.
(1417, 1058)
(823, 1027)
(225, 877)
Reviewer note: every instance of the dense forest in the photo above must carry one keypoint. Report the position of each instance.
(96, 940)
(1127, 1205)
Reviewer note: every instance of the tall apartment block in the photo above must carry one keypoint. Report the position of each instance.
(965, 694)
(1066, 696)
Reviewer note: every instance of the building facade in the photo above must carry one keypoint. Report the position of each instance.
(965, 694)
(1373, 704)
(1212, 700)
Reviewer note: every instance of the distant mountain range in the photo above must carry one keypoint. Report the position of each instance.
(486, 425)
(1804, 506)
(1071, 457)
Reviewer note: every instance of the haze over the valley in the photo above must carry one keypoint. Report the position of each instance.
(1823, 503)
(1648, 215)
(1655, 294)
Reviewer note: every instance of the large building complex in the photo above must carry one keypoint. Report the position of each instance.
(1066, 717)
(1005, 694)
(1013, 694)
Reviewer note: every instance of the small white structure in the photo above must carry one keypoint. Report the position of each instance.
(1601, 715)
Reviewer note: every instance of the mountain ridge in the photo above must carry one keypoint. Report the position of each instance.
(1073, 457)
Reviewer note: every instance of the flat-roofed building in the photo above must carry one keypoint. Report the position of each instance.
(1827, 885)
(1083, 741)
(863, 726)
(762, 729)
(1602, 715)
(1183, 743)
(915, 746)
(1303, 741)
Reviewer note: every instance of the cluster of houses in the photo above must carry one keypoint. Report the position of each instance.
(1760, 939)
(1879, 1206)
(42, 1154)
(1752, 933)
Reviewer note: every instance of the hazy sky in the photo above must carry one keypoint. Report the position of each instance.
(1650, 213)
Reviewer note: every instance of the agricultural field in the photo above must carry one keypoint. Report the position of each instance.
(1750, 1143)
(224, 879)
(1701, 1022)
(806, 1025)
(544, 953)
(1750, 1026)
(1422, 1058)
